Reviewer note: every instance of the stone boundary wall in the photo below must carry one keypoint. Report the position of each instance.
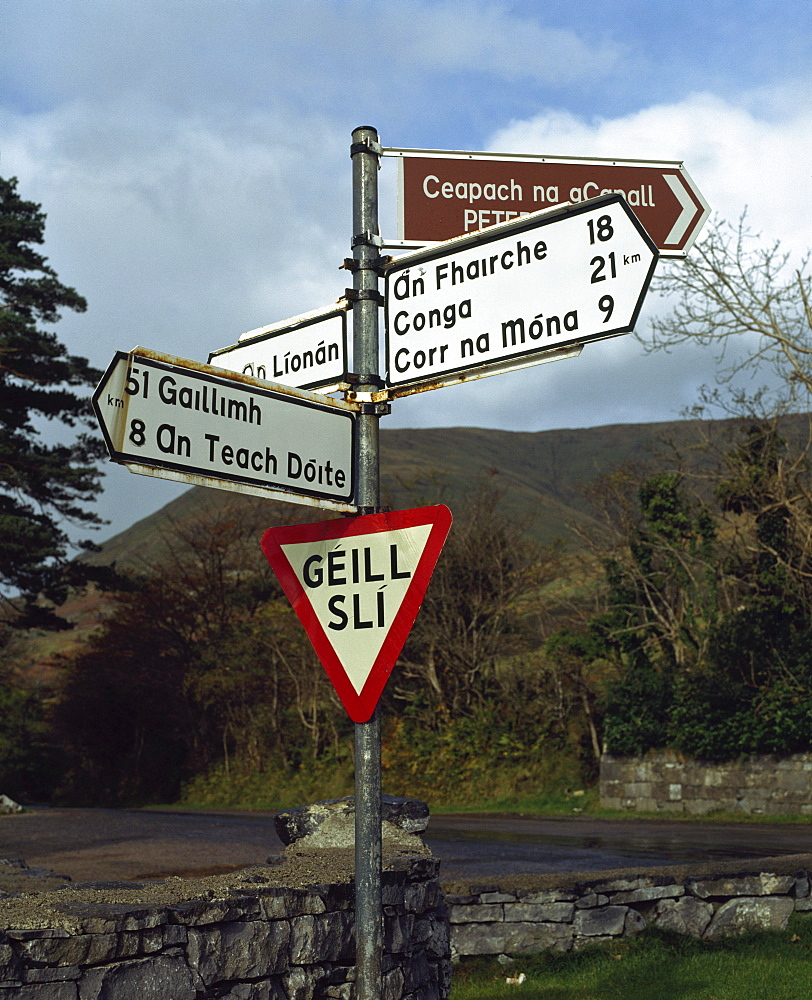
(245, 936)
(493, 919)
(663, 782)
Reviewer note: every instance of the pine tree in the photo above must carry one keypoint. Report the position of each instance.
(44, 487)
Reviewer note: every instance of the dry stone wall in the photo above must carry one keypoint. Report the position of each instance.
(665, 782)
(510, 919)
(264, 933)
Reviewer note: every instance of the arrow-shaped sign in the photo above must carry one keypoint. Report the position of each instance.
(444, 194)
(356, 585)
(177, 419)
(307, 351)
(515, 295)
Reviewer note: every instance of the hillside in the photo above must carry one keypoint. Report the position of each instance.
(542, 477)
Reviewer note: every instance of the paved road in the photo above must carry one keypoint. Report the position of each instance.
(131, 844)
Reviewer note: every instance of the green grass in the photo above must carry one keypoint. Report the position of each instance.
(654, 966)
(245, 790)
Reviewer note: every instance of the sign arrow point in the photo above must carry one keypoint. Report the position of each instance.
(687, 213)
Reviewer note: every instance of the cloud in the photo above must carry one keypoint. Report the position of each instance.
(456, 36)
(183, 230)
(196, 176)
(752, 154)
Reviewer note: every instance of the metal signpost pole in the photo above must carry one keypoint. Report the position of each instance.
(365, 152)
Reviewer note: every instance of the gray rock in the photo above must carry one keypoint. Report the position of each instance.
(509, 938)
(247, 949)
(476, 914)
(687, 915)
(9, 963)
(542, 912)
(609, 920)
(9, 806)
(756, 913)
(763, 884)
(44, 991)
(163, 976)
(325, 937)
(331, 823)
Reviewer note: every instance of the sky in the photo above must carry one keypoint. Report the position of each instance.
(192, 157)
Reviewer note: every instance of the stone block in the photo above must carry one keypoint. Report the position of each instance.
(634, 923)
(591, 900)
(648, 894)
(59, 974)
(629, 883)
(165, 975)
(302, 982)
(327, 937)
(476, 914)
(606, 921)
(763, 884)
(416, 972)
(438, 943)
(754, 913)
(9, 963)
(638, 789)
(391, 985)
(540, 912)
(512, 938)
(199, 912)
(239, 950)
(565, 895)
(698, 807)
(421, 896)
(685, 915)
(397, 933)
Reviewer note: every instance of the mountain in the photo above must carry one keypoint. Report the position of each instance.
(542, 478)
(541, 475)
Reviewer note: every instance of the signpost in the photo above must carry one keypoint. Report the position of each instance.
(534, 288)
(357, 585)
(518, 294)
(308, 351)
(176, 419)
(443, 193)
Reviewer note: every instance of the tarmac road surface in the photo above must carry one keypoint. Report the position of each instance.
(112, 844)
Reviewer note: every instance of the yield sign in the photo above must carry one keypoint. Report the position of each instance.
(357, 584)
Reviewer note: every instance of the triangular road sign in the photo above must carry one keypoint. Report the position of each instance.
(357, 584)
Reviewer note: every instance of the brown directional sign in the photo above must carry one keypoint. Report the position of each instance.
(443, 194)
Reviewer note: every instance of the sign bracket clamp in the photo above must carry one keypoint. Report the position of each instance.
(359, 294)
(379, 264)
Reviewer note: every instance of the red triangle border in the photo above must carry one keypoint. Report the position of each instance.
(359, 707)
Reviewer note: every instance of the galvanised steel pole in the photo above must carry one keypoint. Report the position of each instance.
(365, 152)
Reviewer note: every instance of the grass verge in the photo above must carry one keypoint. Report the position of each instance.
(654, 966)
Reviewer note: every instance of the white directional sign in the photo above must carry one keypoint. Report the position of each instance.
(307, 351)
(516, 294)
(176, 419)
